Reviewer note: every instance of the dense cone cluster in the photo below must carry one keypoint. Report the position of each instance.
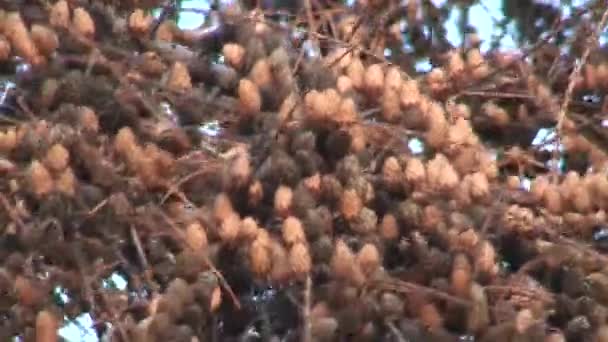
(307, 217)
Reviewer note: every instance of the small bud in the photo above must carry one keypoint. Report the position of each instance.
(339, 58)
(456, 65)
(281, 267)
(20, 39)
(259, 257)
(88, 119)
(167, 31)
(5, 48)
(27, 292)
(350, 204)
(344, 265)
(83, 23)
(293, 231)
(230, 227)
(391, 106)
(196, 237)
(415, 173)
(140, 22)
(322, 106)
(389, 228)
(441, 174)
(368, 259)
(430, 316)
(60, 14)
(374, 80)
(47, 327)
(485, 258)
(461, 276)
(57, 158)
(392, 174)
(8, 140)
(234, 55)
(552, 199)
(478, 317)
(216, 299)
(222, 207)
(179, 78)
(151, 64)
(480, 187)
(261, 74)
(240, 169)
(313, 184)
(250, 99)
(358, 138)
(255, 193)
(347, 112)
(437, 80)
(125, 141)
(393, 80)
(410, 93)
(46, 40)
(513, 182)
(66, 183)
(299, 259)
(523, 321)
(40, 179)
(249, 229)
(344, 85)
(283, 199)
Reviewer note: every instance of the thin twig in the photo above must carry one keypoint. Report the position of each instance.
(330, 21)
(98, 207)
(25, 108)
(369, 113)
(306, 332)
(312, 28)
(491, 213)
(398, 335)
(464, 23)
(174, 188)
(94, 55)
(521, 291)
(78, 256)
(311, 18)
(496, 94)
(407, 287)
(140, 251)
(339, 58)
(11, 211)
(99, 64)
(348, 39)
(299, 60)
